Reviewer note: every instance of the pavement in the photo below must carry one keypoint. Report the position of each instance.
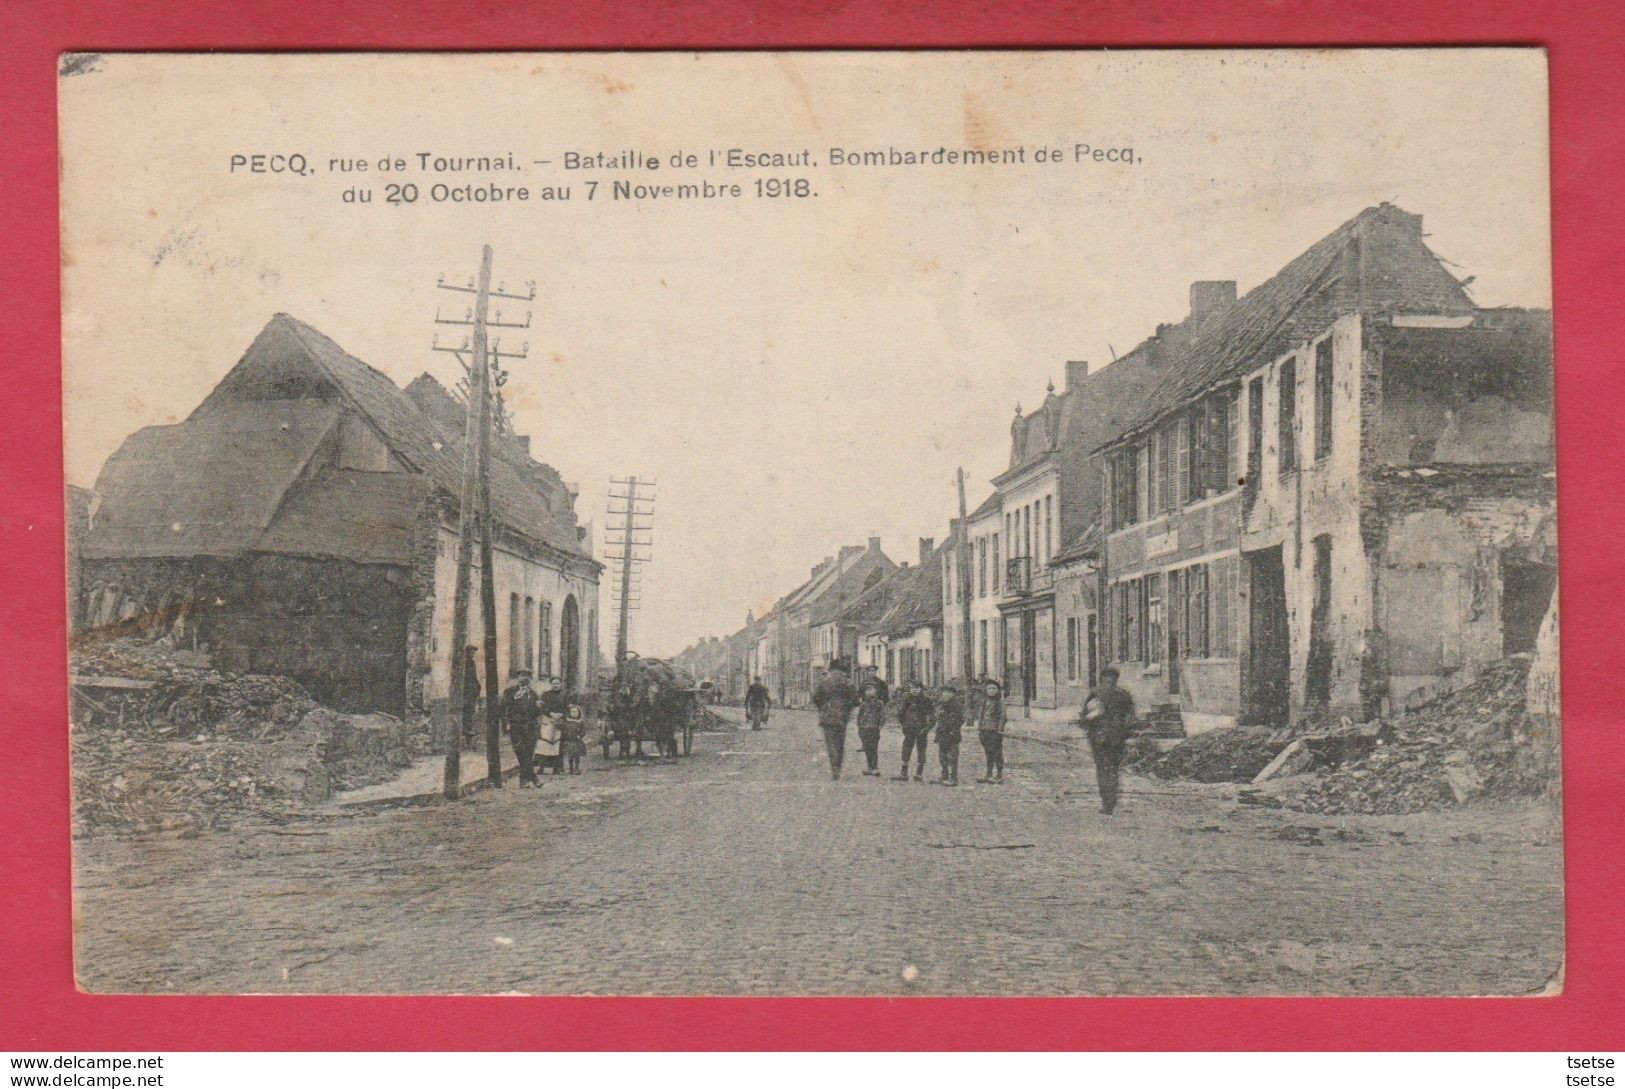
(745, 870)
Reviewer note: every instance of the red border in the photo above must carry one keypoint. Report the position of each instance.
(39, 1008)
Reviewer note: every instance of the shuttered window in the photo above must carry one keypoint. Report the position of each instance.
(1323, 398)
(1288, 417)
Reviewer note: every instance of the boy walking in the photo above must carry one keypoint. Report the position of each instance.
(916, 714)
(871, 717)
(990, 729)
(950, 722)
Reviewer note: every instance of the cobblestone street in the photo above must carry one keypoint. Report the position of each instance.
(744, 869)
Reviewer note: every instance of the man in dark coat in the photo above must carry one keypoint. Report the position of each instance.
(835, 698)
(950, 725)
(916, 714)
(757, 701)
(871, 717)
(1108, 719)
(521, 708)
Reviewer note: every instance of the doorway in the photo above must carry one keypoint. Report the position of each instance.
(1526, 591)
(1269, 657)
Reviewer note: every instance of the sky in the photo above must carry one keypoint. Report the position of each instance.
(797, 373)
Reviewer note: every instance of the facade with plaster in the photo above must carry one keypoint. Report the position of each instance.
(1340, 497)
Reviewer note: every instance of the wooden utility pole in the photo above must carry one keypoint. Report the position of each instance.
(626, 573)
(967, 655)
(638, 495)
(478, 408)
(483, 374)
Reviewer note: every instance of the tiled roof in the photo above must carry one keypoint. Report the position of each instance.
(206, 486)
(1376, 260)
(918, 599)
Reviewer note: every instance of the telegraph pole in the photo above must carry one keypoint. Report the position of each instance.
(967, 657)
(483, 374)
(634, 550)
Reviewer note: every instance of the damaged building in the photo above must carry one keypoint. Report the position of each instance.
(1340, 498)
(302, 521)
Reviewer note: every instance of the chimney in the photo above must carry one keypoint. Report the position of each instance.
(928, 545)
(1210, 295)
(874, 544)
(1076, 371)
(523, 442)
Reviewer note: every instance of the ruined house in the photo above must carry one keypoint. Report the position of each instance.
(302, 521)
(1340, 496)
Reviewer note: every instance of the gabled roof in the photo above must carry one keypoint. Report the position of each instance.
(209, 485)
(988, 506)
(918, 599)
(1091, 410)
(284, 354)
(1084, 544)
(1377, 261)
(364, 516)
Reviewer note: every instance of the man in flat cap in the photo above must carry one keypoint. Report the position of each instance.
(521, 708)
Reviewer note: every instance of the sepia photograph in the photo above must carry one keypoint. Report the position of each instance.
(812, 523)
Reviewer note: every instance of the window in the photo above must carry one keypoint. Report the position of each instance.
(1196, 426)
(1049, 528)
(981, 638)
(544, 642)
(1219, 477)
(530, 629)
(1166, 474)
(981, 567)
(1323, 398)
(1182, 455)
(1153, 474)
(1221, 607)
(515, 639)
(1071, 648)
(995, 563)
(1255, 430)
(1153, 618)
(1287, 417)
(1196, 604)
(1142, 468)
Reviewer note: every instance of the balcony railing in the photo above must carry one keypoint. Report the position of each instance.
(1018, 575)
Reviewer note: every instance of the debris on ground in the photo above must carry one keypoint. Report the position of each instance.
(161, 741)
(1474, 743)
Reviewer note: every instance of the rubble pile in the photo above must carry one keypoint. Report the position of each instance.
(1219, 756)
(1470, 745)
(160, 741)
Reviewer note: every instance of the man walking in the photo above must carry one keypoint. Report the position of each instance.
(757, 701)
(916, 714)
(835, 699)
(1108, 718)
(521, 708)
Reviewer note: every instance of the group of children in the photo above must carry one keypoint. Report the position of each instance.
(945, 712)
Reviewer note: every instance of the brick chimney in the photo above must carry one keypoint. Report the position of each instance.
(874, 544)
(928, 545)
(1076, 371)
(1210, 295)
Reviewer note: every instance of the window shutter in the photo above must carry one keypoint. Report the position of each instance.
(1182, 437)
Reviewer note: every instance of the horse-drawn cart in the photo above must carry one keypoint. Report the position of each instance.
(649, 700)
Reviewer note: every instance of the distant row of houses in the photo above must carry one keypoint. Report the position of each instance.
(1333, 494)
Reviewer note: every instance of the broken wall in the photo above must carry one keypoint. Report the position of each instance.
(335, 626)
(1449, 541)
